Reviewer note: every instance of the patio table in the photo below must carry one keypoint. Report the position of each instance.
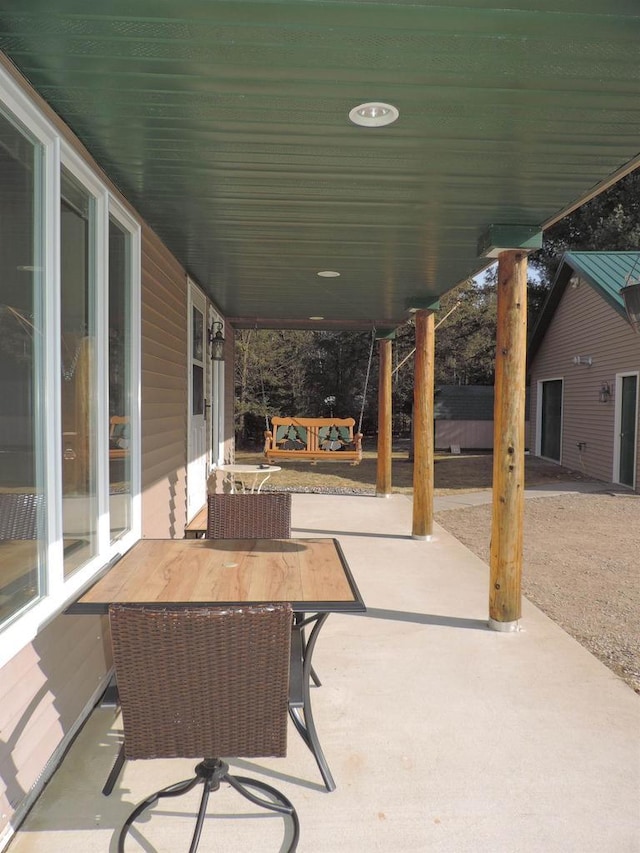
(310, 574)
(259, 473)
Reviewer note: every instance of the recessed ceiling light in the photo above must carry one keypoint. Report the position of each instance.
(328, 274)
(374, 114)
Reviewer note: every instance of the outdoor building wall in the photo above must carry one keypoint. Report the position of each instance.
(164, 391)
(584, 324)
(46, 690)
(469, 435)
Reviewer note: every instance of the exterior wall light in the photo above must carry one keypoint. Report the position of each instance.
(583, 359)
(631, 296)
(216, 339)
(605, 392)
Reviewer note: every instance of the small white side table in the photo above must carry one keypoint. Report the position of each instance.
(259, 473)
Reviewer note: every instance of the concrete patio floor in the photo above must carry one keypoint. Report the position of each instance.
(442, 735)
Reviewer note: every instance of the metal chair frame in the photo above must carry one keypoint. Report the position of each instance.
(203, 680)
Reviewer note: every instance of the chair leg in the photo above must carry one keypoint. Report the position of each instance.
(112, 778)
(211, 772)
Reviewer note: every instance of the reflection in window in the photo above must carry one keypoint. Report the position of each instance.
(197, 370)
(119, 383)
(22, 532)
(77, 341)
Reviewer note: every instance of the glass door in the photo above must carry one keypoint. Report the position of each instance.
(628, 402)
(551, 419)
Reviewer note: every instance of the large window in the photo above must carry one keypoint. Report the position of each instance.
(78, 387)
(69, 372)
(120, 397)
(22, 333)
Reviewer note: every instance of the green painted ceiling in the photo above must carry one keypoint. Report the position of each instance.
(225, 124)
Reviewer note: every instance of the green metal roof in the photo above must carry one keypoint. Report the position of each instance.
(606, 272)
(226, 125)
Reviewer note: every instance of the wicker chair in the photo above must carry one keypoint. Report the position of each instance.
(19, 515)
(204, 682)
(266, 515)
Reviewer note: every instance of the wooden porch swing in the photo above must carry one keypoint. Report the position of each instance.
(317, 439)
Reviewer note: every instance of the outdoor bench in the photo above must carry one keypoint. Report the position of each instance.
(313, 440)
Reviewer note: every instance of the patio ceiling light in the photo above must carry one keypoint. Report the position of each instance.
(329, 274)
(374, 114)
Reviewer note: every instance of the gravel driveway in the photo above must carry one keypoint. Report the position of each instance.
(581, 567)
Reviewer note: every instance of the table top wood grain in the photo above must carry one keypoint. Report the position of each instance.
(311, 574)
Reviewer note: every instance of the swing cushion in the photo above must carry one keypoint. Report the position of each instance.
(313, 439)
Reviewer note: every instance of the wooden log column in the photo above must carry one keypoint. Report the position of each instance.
(383, 471)
(423, 437)
(508, 443)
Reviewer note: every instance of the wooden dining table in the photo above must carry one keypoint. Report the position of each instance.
(310, 574)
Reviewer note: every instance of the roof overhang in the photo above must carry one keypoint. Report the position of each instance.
(226, 125)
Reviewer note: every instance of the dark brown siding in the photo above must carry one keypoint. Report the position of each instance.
(585, 325)
(164, 391)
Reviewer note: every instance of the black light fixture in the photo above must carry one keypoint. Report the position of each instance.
(605, 392)
(631, 296)
(216, 340)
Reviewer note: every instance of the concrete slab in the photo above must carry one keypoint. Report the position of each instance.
(441, 734)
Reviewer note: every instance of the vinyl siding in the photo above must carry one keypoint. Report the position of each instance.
(47, 689)
(584, 324)
(164, 391)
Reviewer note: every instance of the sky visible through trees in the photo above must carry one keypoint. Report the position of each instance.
(319, 373)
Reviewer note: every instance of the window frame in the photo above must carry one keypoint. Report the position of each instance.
(56, 591)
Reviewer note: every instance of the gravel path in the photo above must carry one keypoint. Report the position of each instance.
(581, 567)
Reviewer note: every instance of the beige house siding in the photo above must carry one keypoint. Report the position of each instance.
(466, 434)
(48, 687)
(44, 692)
(164, 391)
(585, 325)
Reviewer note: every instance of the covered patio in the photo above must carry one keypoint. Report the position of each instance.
(442, 734)
(175, 171)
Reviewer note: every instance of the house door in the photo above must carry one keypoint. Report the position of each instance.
(551, 419)
(627, 418)
(198, 378)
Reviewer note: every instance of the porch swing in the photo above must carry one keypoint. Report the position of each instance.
(316, 440)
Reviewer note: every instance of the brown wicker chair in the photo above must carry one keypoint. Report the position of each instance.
(204, 682)
(19, 515)
(266, 515)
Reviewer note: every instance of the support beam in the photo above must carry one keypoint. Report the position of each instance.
(383, 473)
(423, 437)
(508, 443)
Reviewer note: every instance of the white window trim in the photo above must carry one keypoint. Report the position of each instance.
(57, 591)
(132, 226)
(218, 384)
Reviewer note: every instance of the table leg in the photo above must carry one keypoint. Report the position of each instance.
(300, 700)
(262, 482)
